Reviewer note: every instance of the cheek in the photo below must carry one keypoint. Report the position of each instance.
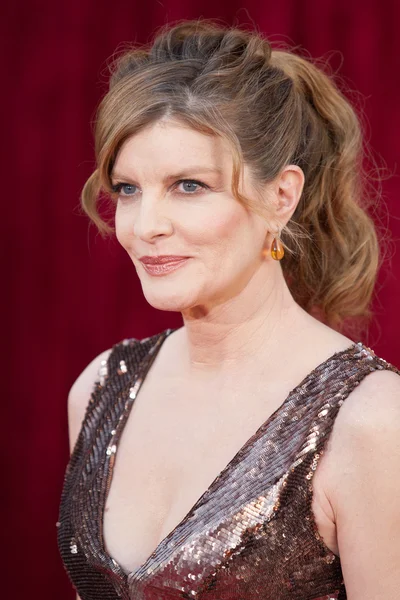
(221, 228)
(231, 241)
(122, 227)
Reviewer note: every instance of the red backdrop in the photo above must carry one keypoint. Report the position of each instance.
(69, 294)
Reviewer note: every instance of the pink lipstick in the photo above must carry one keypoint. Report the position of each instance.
(163, 267)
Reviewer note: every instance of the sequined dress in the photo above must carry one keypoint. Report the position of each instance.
(252, 534)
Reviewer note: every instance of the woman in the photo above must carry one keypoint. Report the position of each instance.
(235, 172)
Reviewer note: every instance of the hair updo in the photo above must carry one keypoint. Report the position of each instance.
(274, 108)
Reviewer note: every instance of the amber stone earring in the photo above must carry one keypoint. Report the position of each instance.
(277, 251)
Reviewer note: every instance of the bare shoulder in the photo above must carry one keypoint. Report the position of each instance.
(79, 395)
(368, 414)
(371, 407)
(362, 484)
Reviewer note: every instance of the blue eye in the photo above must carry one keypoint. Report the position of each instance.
(193, 185)
(128, 191)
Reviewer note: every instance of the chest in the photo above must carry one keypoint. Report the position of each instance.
(175, 443)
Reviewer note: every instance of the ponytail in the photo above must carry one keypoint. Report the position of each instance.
(335, 273)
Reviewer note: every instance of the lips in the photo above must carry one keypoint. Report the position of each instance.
(162, 269)
(161, 260)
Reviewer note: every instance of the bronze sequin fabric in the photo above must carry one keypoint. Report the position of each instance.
(252, 534)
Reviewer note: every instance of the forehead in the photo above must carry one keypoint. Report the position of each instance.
(166, 145)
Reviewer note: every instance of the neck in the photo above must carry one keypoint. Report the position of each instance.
(252, 327)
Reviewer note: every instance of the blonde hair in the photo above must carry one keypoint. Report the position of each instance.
(274, 108)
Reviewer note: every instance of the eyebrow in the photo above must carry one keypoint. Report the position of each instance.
(180, 174)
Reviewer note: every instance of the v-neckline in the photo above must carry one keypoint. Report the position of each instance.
(142, 371)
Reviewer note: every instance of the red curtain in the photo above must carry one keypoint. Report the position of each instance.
(68, 294)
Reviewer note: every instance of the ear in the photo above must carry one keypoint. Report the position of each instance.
(288, 189)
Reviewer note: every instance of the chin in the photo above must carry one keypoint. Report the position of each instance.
(173, 302)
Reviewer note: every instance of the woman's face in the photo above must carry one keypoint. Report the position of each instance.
(176, 200)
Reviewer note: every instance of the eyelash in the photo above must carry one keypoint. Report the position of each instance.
(116, 188)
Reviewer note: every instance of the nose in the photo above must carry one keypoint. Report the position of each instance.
(151, 219)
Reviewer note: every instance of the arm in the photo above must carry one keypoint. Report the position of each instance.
(365, 490)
